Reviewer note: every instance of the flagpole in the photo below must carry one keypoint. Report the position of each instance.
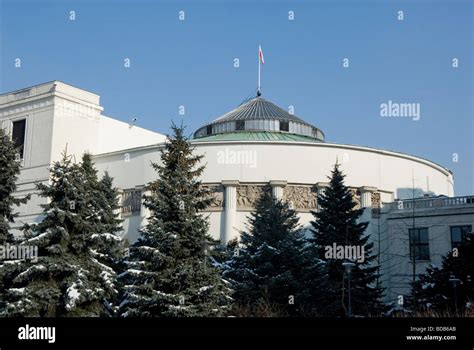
(258, 91)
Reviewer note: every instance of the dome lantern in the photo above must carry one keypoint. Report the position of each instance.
(259, 115)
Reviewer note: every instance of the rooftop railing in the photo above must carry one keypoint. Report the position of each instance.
(435, 202)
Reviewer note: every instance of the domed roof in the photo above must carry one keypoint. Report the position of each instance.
(259, 115)
(258, 108)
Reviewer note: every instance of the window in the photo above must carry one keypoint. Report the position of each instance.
(291, 127)
(240, 125)
(284, 125)
(251, 124)
(131, 202)
(458, 234)
(272, 125)
(209, 130)
(266, 124)
(18, 135)
(419, 242)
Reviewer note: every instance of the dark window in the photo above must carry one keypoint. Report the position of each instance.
(209, 130)
(18, 135)
(284, 125)
(131, 201)
(458, 234)
(240, 125)
(419, 244)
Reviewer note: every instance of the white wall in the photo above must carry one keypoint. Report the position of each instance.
(116, 135)
(81, 127)
(309, 163)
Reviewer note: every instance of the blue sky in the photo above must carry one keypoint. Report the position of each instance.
(190, 63)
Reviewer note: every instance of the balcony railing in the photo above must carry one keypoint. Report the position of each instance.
(421, 203)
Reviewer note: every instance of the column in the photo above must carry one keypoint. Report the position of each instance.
(230, 209)
(366, 196)
(277, 188)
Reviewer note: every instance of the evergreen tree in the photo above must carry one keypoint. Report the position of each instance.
(169, 273)
(337, 223)
(435, 291)
(112, 246)
(9, 171)
(106, 245)
(66, 279)
(270, 265)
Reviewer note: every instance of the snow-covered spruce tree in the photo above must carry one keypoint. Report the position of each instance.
(169, 272)
(106, 245)
(434, 290)
(269, 266)
(112, 246)
(66, 279)
(337, 223)
(9, 171)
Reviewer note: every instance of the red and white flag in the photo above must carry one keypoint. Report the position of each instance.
(260, 54)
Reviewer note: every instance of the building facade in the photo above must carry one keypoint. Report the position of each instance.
(256, 146)
(421, 230)
(47, 119)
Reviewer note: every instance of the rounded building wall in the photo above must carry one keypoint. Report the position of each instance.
(238, 166)
(309, 163)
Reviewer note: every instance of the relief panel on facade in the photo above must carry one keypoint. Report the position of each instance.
(247, 196)
(300, 198)
(376, 200)
(376, 204)
(356, 197)
(217, 194)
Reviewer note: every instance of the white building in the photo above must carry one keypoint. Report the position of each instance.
(254, 145)
(47, 118)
